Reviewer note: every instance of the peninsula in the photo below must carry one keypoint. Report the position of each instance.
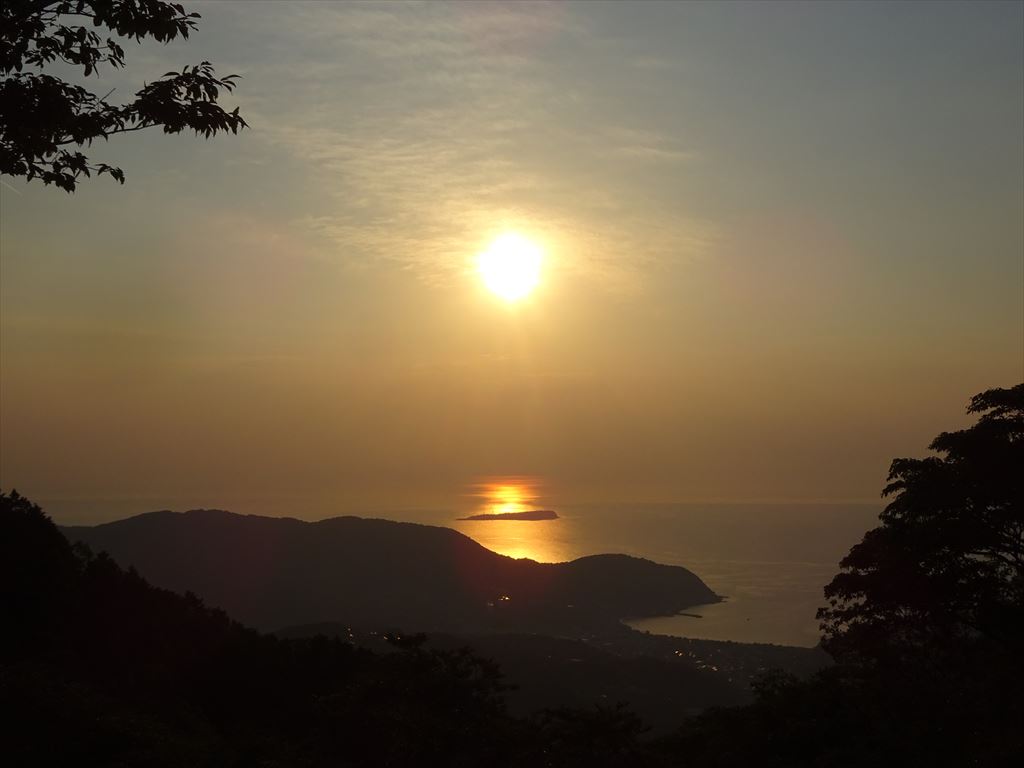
(380, 573)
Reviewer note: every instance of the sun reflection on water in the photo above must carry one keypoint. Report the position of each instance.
(503, 498)
(540, 540)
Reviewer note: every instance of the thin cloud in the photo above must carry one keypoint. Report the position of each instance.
(428, 128)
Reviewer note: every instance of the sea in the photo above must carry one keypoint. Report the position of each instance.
(769, 562)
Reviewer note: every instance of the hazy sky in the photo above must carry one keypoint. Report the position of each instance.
(783, 244)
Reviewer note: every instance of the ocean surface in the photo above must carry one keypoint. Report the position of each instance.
(769, 561)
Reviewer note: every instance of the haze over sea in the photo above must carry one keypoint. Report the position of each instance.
(769, 561)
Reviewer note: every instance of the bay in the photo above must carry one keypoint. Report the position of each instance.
(769, 561)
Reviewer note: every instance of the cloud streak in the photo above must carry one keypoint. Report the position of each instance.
(427, 129)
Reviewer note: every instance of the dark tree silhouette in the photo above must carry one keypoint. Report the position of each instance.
(44, 120)
(946, 567)
(926, 622)
(37, 569)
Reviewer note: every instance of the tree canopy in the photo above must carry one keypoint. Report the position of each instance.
(946, 567)
(45, 120)
(925, 620)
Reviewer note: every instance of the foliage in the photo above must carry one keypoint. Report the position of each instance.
(853, 716)
(946, 567)
(44, 119)
(37, 568)
(925, 620)
(602, 737)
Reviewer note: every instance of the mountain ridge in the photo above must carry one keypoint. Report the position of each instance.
(273, 572)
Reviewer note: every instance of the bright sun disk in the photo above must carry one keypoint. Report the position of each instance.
(510, 266)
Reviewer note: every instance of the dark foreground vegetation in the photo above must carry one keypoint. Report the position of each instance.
(925, 621)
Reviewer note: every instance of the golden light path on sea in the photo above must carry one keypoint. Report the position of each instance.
(540, 540)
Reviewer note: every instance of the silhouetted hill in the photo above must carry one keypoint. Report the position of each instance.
(98, 668)
(661, 679)
(275, 572)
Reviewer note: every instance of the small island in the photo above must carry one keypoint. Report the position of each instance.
(530, 514)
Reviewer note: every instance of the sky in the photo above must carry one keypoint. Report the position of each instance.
(782, 245)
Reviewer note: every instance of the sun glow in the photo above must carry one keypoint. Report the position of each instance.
(544, 541)
(510, 267)
(508, 498)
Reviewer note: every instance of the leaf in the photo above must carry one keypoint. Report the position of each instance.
(54, 112)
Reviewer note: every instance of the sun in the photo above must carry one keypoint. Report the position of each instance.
(510, 267)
